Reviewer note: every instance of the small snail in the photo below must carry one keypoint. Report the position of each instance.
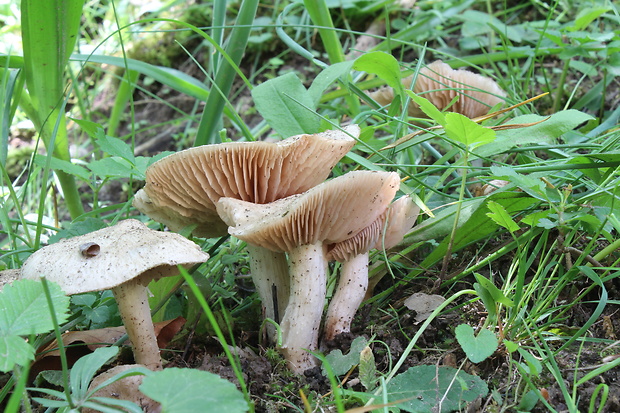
(90, 249)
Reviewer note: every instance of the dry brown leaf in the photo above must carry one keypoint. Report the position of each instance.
(81, 343)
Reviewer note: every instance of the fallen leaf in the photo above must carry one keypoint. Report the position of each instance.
(423, 304)
(80, 343)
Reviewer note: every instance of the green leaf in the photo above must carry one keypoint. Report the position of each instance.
(551, 127)
(14, 350)
(499, 215)
(341, 363)
(427, 107)
(65, 166)
(190, 391)
(328, 76)
(532, 184)
(424, 387)
(86, 367)
(114, 167)
(477, 348)
(24, 308)
(587, 16)
(464, 130)
(286, 105)
(368, 369)
(533, 366)
(176, 79)
(497, 294)
(115, 147)
(488, 301)
(385, 66)
(24, 311)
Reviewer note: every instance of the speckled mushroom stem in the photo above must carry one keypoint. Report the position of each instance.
(302, 318)
(270, 269)
(133, 305)
(349, 294)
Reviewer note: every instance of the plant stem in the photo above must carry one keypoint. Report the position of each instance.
(225, 74)
(61, 348)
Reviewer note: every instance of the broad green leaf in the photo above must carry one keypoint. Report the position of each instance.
(341, 363)
(385, 66)
(587, 16)
(65, 166)
(286, 105)
(14, 350)
(427, 107)
(114, 167)
(547, 129)
(116, 147)
(328, 76)
(477, 348)
(496, 293)
(423, 387)
(191, 391)
(464, 130)
(499, 215)
(24, 311)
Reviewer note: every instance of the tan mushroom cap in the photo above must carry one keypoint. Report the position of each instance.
(440, 84)
(182, 189)
(8, 276)
(330, 212)
(399, 218)
(111, 256)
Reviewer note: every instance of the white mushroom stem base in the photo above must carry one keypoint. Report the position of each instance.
(349, 295)
(133, 305)
(270, 269)
(302, 318)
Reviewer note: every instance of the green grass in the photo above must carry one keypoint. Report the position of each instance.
(223, 72)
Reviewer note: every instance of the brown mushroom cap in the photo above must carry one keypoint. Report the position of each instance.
(400, 216)
(440, 84)
(330, 212)
(182, 188)
(111, 256)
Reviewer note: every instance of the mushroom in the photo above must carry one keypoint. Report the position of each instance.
(383, 233)
(124, 258)
(441, 84)
(182, 189)
(302, 226)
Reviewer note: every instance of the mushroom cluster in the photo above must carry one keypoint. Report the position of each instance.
(124, 258)
(440, 84)
(274, 197)
(182, 190)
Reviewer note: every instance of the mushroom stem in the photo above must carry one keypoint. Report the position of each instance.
(133, 305)
(270, 269)
(302, 318)
(349, 294)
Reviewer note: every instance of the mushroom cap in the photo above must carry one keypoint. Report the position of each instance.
(440, 84)
(330, 212)
(111, 256)
(400, 217)
(183, 188)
